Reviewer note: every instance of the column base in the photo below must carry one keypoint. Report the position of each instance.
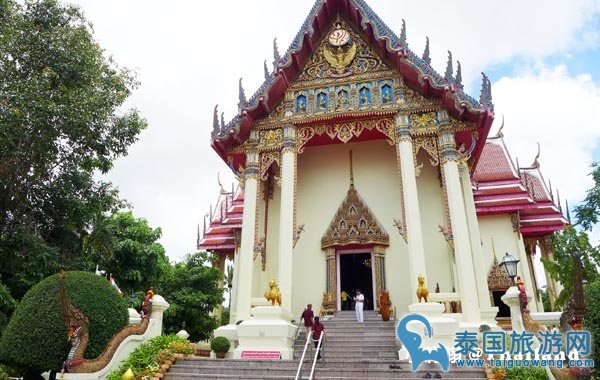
(488, 316)
(443, 327)
(269, 334)
(230, 332)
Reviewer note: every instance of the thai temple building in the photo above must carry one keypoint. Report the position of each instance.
(361, 167)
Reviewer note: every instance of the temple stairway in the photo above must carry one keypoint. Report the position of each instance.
(352, 351)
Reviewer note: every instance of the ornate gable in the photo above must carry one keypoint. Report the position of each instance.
(497, 277)
(354, 223)
(342, 54)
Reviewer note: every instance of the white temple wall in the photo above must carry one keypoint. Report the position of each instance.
(323, 181)
(438, 253)
(505, 239)
(260, 278)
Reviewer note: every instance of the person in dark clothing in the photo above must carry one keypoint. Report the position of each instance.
(317, 329)
(308, 315)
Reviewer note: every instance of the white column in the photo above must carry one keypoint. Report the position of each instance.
(286, 216)
(554, 287)
(233, 295)
(483, 292)
(412, 212)
(244, 286)
(523, 270)
(458, 219)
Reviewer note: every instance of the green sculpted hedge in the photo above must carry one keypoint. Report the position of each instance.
(35, 337)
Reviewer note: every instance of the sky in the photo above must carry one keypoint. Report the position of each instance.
(543, 58)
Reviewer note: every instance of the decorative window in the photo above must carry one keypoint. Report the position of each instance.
(364, 97)
(322, 101)
(342, 100)
(387, 96)
(301, 103)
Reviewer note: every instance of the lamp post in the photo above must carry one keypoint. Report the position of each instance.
(509, 262)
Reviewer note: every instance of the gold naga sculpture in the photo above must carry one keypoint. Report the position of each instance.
(422, 292)
(273, 294)
(78, 334)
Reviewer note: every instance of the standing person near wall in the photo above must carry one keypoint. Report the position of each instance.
(360, 302)
(308, 315)
(317, 329)
(344, 297)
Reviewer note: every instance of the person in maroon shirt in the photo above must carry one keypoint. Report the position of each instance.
(308, 315)
(317, 329)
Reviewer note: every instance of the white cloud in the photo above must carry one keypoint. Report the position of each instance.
(559, 111)
(190, 54)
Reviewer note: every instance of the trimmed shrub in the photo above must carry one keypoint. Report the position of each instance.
(35, 337)
(220, 344)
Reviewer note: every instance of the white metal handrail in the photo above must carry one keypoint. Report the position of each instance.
(308, 340)
(312, 370)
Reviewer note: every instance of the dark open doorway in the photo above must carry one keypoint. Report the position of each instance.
(503, 309)
(356, 273)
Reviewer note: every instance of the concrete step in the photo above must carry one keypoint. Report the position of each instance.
(360, 369)
(352, 351)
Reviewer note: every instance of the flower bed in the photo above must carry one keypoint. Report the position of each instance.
(154, 357)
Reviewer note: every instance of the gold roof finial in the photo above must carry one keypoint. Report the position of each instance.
(221, 188)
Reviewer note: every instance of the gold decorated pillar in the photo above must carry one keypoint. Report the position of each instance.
(458, 219)
(414, 233)
(286, 216)
(244, 286)
(379, 266)
(331, 280)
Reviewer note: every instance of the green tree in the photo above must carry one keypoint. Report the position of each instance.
(561, 268)
(60, 122)
(7, 305)
(193, 292)
(130, 251)
(592, 319)
(588, 213)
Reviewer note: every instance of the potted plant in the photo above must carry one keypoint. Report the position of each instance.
(220, 345)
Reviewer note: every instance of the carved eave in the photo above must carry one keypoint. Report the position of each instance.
(353, 224)
(415, 73)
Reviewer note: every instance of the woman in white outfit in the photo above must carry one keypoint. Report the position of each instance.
(360, 302)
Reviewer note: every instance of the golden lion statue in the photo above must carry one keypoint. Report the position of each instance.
(328, 305)
(385, 305)
(422, 291)
(273, 294)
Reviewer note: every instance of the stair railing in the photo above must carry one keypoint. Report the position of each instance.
(312, 370)
(299, 372)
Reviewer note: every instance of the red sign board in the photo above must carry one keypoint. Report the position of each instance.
(261, 355)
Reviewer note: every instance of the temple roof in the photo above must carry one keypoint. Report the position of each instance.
(500, 187)
(223, 222)
(416, 72)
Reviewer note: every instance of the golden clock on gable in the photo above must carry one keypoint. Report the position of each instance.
(341, 50)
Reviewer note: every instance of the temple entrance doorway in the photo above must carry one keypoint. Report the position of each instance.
(356, 272)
